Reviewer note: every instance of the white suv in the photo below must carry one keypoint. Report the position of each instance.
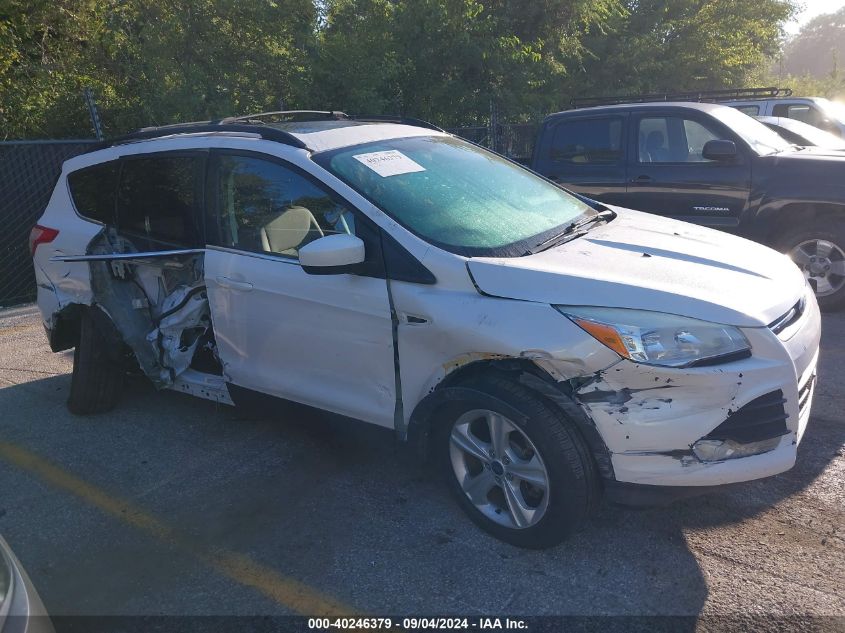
(816, 111)
(542, 347)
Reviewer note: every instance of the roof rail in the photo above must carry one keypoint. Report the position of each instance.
(711, 96)
(260, 124)
(286, 115)
(391, 118)
(269, 133)
(319, 115)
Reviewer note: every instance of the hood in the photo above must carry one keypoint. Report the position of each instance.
(811, 155)
(646, 262)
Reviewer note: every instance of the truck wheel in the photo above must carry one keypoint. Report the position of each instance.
(516, 464)
(819, 250)
(97, 371)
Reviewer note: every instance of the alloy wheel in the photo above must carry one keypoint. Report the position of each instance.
(823, 264)
(499, 469)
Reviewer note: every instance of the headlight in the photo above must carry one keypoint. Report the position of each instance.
(654, 338)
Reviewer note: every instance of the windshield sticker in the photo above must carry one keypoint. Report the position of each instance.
(389, 163)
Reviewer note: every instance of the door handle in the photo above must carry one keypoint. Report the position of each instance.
(641, 179)
(243, 286)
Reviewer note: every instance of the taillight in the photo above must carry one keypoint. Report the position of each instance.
(40, 235)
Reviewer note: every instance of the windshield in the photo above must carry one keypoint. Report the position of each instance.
(761, 139)
(455, 195)
(814, 135)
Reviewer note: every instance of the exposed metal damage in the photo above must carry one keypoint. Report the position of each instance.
(159, 305)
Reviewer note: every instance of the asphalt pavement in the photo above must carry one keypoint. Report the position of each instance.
(171, 505)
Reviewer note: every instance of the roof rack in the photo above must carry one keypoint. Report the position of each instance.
(711, 96)
(259, 124)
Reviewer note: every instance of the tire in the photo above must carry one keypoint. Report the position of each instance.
(572, 487)
(97, 370)
(819, 250)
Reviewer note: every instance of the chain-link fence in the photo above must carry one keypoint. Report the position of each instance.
(28, 172)
(514, 140)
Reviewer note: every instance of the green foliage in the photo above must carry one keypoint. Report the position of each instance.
(149, 61)
(813, 62)
(674, 45)
(152, 62)
(447, 60)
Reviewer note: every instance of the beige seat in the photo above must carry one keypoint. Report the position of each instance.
(285, 233)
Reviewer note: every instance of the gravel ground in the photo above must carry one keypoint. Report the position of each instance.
(172, 505)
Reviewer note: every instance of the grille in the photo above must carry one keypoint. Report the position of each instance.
(760, 419)
(804, 393)
(789, 317)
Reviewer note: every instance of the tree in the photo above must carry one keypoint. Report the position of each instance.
(671, 45)
(149, 61)
(448, 59)
(818, 49)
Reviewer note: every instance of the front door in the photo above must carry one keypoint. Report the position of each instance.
(322, 340)
(669, 176)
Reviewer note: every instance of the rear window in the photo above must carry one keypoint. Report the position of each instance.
(93, 191)
(158, 198)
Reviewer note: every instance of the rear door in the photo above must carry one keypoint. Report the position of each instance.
(322, 340)
(587, 155)
(669, 176)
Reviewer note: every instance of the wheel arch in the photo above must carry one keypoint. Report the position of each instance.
(780, 218)
(527, 374)
(66, 323)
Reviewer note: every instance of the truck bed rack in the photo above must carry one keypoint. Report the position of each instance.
(711, 96)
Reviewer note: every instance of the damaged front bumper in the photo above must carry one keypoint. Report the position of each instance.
(688, 429)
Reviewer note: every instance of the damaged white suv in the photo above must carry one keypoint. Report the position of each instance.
(544, 348)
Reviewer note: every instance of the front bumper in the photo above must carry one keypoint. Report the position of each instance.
(650, 417)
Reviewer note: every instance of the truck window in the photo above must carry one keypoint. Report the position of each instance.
(672, 139)
(159, 197)
(590, 141)
(93, 190)
(750, 110)
(800, 112)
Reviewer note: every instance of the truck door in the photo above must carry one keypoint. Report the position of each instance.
(587, 155)
(669, 176)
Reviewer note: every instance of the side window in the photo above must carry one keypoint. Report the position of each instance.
(266, 207)
(670, 139)
(93, 190)
(588, 141)
(697, 136)
(800, 112)
(653, 140)
(750, 110)
(159, 199)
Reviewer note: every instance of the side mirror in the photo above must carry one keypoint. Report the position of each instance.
(332, 255)
(719, 150)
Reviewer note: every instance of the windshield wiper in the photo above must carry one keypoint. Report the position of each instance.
(574, 229)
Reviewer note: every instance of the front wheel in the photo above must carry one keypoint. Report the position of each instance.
(819, 251)
(517, 465)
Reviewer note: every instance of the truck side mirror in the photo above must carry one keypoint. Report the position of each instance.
(719, 150)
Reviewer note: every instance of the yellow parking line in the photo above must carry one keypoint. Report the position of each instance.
(287, 592)
(18, 328)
